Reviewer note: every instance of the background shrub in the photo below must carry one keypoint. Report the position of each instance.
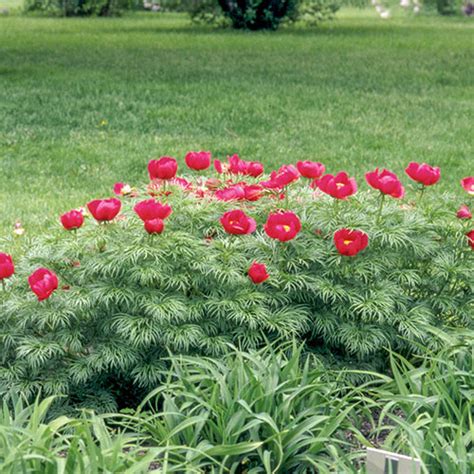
(258, 14)
(200, 11)
(310, 12)
(313, 12)
(208, 12)
(449, 7)
(78, 7)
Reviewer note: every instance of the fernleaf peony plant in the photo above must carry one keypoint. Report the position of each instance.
(352, 275)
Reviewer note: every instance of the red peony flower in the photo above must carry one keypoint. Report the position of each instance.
(283, 226)
(198, 160)
(150, 209)
(340, 186)
(386, 182)
(254, 169)
(237, 166)
(253, 192)
(164, 168)
(310, 169)
(423, 173)
(213, 184)
(464, 212)
(72, 220)
(154, 226)
(182, 183)
(42, 283)
(118, 188)
(231, 193)
(104, 209)
(237, 222)
(470, 238)
(468, 184)
(218, 166)
(281, 178)
(201, 192)
(122, 189)
(258, 273)
(7, 268)
(350, 242)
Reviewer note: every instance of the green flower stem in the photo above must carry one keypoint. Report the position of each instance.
(275, 255)
(196, 178)
(422, 191)
(379, 212)
(4, 285)
(102, 242)
(278, 254)
(443, 286)
(282, 255)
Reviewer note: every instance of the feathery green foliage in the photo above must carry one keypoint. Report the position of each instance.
(126, 298)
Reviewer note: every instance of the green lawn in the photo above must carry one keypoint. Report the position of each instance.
(86, 102)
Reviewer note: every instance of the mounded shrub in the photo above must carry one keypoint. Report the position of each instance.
(313, 12)
(448, 7)
(78, 7)
(350, 276)
(258, 14)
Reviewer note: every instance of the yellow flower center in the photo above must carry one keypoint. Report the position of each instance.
(339, 185)
(286, 228)
(347, 242)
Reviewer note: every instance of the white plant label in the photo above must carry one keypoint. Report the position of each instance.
(385, 462)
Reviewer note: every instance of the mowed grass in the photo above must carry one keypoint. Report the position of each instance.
(86, 102)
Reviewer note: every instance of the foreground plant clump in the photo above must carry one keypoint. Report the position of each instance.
(277, 410)
(230, 256)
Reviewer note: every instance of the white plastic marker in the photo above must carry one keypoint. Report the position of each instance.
(385, 462)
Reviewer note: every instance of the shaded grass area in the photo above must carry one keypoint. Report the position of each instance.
(86, 102)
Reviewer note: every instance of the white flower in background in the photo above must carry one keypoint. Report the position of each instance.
(83, 211)
(405, 3)
(383, 13)
(18, 229)
(127, 189)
